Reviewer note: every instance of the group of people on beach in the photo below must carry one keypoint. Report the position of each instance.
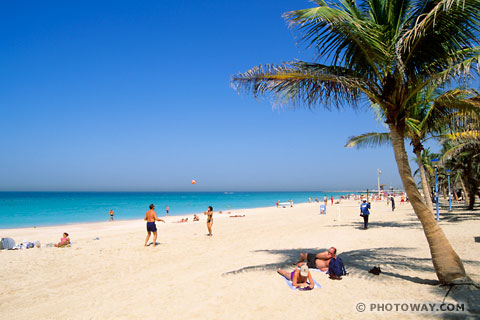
(151, 217)
(301, 276)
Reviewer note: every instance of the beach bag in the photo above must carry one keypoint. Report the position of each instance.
(7, 243)
(336, 268)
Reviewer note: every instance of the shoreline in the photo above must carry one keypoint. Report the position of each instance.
(183, 215)
(71, 208)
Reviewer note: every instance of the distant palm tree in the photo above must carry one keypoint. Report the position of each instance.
(433, 114)
(387, 51)
(462, 154)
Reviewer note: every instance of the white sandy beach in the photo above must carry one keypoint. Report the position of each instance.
(231, 275)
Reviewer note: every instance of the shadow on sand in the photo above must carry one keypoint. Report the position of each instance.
(363, 260)
(372, 224)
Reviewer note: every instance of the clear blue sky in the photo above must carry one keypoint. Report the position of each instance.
(135, 95)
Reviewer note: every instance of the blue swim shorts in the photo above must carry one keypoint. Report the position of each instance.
(151, 227)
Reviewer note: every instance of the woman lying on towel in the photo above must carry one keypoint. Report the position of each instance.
(299, 277)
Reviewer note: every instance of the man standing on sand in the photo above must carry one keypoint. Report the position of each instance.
(151, 217)
(318, 261)
(364, 212)
(168, 208)
(111, 215)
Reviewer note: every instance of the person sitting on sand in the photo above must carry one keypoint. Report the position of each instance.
(238, 216)
(151, 217)
(299, 277)
(196, 218)
(63, 241)
(319, 260)
(182, 220)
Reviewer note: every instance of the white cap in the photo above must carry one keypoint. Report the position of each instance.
(304, 270)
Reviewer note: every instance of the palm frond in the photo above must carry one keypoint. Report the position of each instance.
(371, 139)
(304, 83)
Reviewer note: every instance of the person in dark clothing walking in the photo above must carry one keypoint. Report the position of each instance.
(364, 212)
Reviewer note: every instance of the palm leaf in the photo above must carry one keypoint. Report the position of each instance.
(371, 139)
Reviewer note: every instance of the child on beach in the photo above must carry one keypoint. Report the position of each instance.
(63, 241)
(209, 214)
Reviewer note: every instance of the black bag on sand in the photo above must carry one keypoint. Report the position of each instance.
(375, 270)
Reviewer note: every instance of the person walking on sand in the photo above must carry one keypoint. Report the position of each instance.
(365, 213)
(151, 217)
(209, 214)
(168, 208)
(392, 200)
(111, 215)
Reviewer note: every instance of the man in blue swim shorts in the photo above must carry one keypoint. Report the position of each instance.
(151, 217)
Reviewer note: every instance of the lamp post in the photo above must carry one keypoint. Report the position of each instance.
(435, 161)
(379, 173)
(449, 193)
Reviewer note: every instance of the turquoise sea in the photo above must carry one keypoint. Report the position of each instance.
(28, 209)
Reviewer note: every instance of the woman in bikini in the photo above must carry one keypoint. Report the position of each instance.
(209, 214)
(299, 277)
(63, 241)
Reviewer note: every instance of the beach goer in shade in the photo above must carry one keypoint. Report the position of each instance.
(364, 212)
(64, 241)
(111, 215)
(319, 260)
(151, 217)
(196, 218)
(209, 214)
(299, 276)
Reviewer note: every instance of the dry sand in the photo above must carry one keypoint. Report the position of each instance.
(232, 275)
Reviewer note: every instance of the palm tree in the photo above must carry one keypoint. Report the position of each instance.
(386, 51)
(432, 114)
(463, 155)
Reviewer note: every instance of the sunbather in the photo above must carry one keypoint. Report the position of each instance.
(319, 260)
(299, 277)
(63, 241)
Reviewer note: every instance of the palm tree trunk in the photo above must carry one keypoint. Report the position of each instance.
(425, 184)
(446, 262)
(465, 192)
(444, 192)
(455, 193)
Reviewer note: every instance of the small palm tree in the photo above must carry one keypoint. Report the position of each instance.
(387, 51)
(462, 154)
